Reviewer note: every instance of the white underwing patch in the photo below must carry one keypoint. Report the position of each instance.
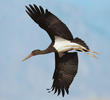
(63, 45)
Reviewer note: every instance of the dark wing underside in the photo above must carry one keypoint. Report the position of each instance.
(49, 22)
(67, 65)
(65, 70)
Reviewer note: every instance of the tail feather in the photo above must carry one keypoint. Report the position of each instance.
(81, 42)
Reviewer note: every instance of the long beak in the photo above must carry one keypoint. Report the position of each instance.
(27, 57)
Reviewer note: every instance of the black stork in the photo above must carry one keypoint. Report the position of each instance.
(66, 63)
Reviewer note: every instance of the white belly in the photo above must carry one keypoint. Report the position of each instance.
(62, 45)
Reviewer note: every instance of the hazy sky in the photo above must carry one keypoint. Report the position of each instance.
(19, 35)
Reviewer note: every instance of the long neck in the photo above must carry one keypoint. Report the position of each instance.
(38, 52)
(46, 51)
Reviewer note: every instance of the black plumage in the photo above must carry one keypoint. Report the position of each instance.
(65, 70)
(66, 63)
(49, 22)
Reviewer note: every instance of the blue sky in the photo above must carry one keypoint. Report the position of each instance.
(19, 35)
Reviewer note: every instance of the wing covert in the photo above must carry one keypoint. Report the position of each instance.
(48, 22)
(65, 70)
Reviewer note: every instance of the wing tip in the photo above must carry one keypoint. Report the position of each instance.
(41, 9)
(59, 89)
(36, 9)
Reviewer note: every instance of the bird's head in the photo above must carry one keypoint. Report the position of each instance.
(33, 53)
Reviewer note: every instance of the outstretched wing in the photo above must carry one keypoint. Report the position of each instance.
(49, 22)
(65, 70)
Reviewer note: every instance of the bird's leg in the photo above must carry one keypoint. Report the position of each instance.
(82, 49)
(87, 53)
(93, 52)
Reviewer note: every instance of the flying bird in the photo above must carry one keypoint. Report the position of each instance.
(64, 46)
